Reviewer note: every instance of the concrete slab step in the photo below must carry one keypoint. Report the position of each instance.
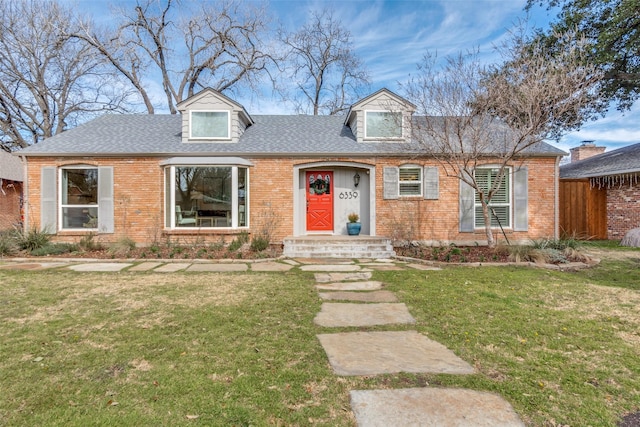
(387, 352)
(432, 407)
(352, 314)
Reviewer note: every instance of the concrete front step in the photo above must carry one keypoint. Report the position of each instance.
(338, 247)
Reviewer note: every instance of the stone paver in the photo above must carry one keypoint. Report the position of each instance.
(33, 265)
(375, 296)
(172, 267)
(382, 267)
(423, 267)
(330, 267)
(432, 407)
(218, 268)
(352, 314)
(370, 285)
(291, 262)
(145, 266)
(100, 266)
(373, 353)
(270, 266)
(332, 261)
(339, 277)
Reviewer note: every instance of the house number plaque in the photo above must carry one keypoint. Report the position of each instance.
(348, 195)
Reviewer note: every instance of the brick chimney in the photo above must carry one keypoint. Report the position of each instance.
(585, 150)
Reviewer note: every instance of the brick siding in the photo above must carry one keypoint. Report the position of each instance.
(139, 199)
(10, 195)
(623, 209)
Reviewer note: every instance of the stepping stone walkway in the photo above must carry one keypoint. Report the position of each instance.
(384, 352)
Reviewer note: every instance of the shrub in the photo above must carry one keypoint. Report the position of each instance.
(7, 242)
(122, 246)
(240, 240)
(89, 243)
(259, 243)
(54, 249)
(32, 239)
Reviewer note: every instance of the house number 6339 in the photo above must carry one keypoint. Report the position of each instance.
(348, 195)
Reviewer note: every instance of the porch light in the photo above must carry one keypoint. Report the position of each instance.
(356, 179)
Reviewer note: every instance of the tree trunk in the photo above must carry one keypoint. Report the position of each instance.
(487, 225)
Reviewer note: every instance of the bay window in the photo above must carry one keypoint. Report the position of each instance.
(206, 196)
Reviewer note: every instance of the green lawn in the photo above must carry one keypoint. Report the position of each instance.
(154, 349)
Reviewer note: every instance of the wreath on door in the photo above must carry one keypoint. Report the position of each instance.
(320, 186)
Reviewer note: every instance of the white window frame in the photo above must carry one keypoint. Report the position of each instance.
(61, 206)
(477, 205)
(419, 181)
(210, 138)
(170, 199)
(366, 118)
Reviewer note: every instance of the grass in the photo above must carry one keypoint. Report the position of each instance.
(220, 349)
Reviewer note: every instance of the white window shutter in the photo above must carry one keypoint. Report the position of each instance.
(105, 200)
(391, 182)
(520, 199)
(431, 183)
(48, 204)
(467, 198)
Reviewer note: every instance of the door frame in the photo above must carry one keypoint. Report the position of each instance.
(299, 196)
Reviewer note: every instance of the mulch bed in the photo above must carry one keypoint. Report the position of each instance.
(457, 254)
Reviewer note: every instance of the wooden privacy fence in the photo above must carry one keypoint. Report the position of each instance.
(583, 209)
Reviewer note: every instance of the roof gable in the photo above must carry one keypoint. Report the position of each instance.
(381, 99)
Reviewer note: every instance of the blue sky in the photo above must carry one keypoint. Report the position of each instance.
(391, 37)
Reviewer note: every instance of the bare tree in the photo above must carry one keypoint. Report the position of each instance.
(477, 115)
(323, 65)
(47, 82)
(215, 44)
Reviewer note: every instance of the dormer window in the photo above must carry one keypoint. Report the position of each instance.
(210, 125)
(383, 124)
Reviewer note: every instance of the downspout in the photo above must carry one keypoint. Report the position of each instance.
(556, 203)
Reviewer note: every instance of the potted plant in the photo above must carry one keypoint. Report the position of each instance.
(353, 226)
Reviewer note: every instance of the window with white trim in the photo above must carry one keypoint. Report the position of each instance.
(210, 125)
(410, 180)
(78, 198)
(500, 203)
(383, 124)
(206, 196)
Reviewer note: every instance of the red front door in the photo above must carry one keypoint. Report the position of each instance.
(319, 201)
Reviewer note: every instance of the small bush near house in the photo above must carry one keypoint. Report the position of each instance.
(7, 242)
(122, 246)
(238, 241)
(89, 243)
(32, 239)
(259, 243)
(54, 249)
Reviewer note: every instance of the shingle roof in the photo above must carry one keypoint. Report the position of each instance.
(271, 135)
(10, 167)
(616, 162)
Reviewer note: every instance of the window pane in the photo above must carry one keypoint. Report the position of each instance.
(410, 189)
(383, 124)
(210, 124)
(410, 174)
(242, 197)
(203, 196)
(80, 217)
(79, 186)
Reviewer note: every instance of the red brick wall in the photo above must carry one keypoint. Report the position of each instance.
(623, 209)
(10, 195)
(139, 198)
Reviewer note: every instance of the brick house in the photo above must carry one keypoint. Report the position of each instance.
(11, 178)
(603, 192)
(214, 171)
